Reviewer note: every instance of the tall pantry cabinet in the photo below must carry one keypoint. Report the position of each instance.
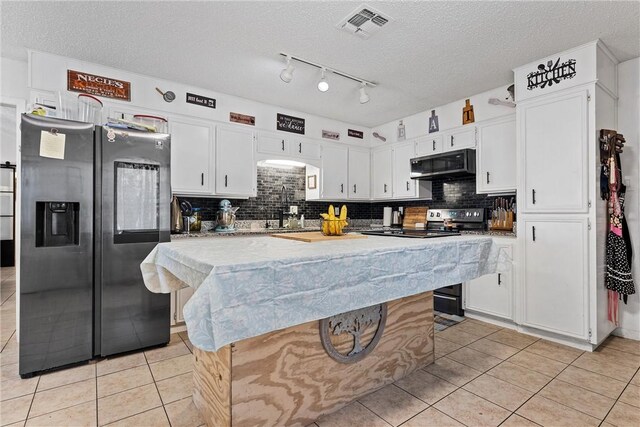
(562, 103)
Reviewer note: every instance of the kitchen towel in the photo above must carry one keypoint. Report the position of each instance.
(386, 216)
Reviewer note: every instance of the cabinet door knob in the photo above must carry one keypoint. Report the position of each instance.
(407, 185)
(533, 232)
(354, 188)
(283, 145)
(202, 178)
(533, 196)
(300, 147)
(452, 140)
(499, 279)
(487, 177)
(385, 188)
(342, 188)
(434, 145)
(226, 180)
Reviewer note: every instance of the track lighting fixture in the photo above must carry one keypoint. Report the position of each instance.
(287, 74)
(323, 84)
(364, 98)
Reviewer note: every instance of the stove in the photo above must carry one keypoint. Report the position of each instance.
(443, 223)
(411, 233)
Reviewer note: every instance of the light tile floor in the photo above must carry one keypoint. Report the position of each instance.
(483, 376)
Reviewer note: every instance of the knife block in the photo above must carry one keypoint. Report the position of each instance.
(504, 225)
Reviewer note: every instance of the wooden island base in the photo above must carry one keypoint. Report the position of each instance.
(286, 377)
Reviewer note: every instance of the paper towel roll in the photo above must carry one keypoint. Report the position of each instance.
(386, 216)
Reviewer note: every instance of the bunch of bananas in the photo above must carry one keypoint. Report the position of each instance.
(332, 225)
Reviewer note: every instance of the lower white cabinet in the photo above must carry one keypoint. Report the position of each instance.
(179, 299)
(235, 164)
(334, 179)
(555, 281)
(492, 294)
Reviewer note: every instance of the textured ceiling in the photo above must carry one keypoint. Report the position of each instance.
(433, 53)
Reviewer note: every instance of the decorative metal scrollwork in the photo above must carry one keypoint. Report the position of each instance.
(354, 323)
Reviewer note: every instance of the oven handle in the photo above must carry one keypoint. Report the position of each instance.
(445, 297)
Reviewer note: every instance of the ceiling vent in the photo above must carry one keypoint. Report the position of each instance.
(364, 22)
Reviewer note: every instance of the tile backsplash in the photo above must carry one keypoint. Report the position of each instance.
(447, 193)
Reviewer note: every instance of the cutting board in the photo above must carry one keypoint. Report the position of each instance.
(414, 215)
(316, 236)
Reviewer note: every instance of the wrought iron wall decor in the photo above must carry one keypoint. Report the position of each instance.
(547, 75)
(354, 323)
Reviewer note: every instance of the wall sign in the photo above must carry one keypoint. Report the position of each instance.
(329, 134)
(434, 126)
(547, 75)
(290, 124)
(98, 85)
(467, 113)
(200, 100)
(355, 133)
(402, 133)
(242, 118)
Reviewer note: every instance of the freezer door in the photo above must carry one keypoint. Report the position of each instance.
(56, 259)
(134, 186)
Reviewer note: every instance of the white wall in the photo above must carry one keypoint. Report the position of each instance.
(13, 78)
(13, 88)
(49, 73)
(629, 126)
(449, 116)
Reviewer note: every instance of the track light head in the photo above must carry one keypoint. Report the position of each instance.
(364, 98)
(287, 74)
(323, 84)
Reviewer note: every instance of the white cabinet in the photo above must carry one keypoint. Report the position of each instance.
(459, 138)
(287, 146)
(553, 156)
(427, 145)
(334, 172)
(381, 176)
(359, 173)
(178, 300)
(192, 143)
(272, 144)
(496, 156)
(555, 277)
(493, 293)
(235, 165)
(403, 186)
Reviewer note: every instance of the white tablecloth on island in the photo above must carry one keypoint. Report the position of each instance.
(248, 286)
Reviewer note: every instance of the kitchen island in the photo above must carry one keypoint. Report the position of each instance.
(287, 331)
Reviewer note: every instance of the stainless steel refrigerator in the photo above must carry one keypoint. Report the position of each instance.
(95, 201)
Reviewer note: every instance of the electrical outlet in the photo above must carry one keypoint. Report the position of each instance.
(336, 210)
(293, 210)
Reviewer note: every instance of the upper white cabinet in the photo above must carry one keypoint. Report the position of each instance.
(288, 146)
(192, 145)
(359, 173)
(403, 185)
(427, 145)
(555, 284)
(235, 165)
(553, 158)
(382, 175)
(493, 293)
(334, 176)
(496, 156)
(459, 138)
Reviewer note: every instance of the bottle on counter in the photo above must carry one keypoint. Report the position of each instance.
(302, 221)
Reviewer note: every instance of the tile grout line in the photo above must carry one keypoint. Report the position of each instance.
(156, 384)
(618, 399)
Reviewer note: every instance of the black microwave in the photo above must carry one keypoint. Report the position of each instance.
(452, 163)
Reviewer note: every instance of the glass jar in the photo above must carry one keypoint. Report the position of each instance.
(195, 220)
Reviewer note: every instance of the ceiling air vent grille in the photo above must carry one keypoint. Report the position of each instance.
(364, 22)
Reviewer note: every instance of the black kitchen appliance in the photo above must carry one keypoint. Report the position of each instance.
(95, 202)
(449, 164)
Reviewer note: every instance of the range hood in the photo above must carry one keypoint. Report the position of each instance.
(442, 165)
